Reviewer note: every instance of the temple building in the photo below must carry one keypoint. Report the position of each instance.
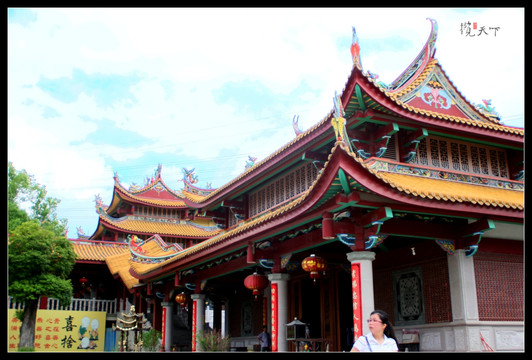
(405, 197)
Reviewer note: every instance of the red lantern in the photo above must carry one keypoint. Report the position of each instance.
(181, 299)
(314, 264)
(256, 283)
(83, 281)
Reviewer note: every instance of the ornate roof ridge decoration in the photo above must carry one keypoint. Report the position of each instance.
(391, 166)
(177, 201)
(142, 252)
(101, 208)
(155, 182)
(482, 121)
(435, 89)
(190, 178)
(355, 50)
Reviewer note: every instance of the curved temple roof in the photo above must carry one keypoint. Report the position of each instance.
(452, 195)
(422, 93)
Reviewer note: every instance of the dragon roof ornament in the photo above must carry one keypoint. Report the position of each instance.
(355, 50)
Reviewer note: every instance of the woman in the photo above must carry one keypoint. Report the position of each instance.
(381, 337)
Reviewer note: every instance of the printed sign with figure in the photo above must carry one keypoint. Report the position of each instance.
(62, 330)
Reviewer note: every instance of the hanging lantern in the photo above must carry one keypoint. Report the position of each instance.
(181, 299)
(256, 283)
(314, 264)
(83, 281)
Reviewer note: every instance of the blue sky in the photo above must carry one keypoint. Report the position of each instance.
(94, 91)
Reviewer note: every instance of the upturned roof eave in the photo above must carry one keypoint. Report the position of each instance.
(339, 159)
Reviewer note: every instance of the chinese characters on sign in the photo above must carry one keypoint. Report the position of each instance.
(275, 312)
(357, 301)
(469, 29)
(163, 328)
(61, 330)
(194, 311)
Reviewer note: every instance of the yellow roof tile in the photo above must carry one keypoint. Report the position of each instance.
(97, 250)
(155, 201)
(454, 191)
(418, 186)
(119, 265)
(196, 198)
(159, 227)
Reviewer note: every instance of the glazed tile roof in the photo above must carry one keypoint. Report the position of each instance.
(174, 228)
(454, 191)
(97, 250)
(440, 190)
(436, 190)
(177, 202)
(195, 198)
(119, 266)
(154, 247)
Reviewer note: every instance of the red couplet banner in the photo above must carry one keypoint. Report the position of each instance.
(357, 300)
(163, 328)
(194, 309)
(275, 312)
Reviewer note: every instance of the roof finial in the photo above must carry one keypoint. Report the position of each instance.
(355, 50)
(295, 125)
(338, 122)
(431, 42)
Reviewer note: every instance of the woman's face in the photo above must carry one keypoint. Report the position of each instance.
(375, 324)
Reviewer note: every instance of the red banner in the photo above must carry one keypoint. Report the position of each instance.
(275, 312)
(163, 328)
(357, 300)
(194, 309)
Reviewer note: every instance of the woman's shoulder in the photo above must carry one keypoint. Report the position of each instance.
(390, 342)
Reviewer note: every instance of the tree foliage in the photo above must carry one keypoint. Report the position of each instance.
(40, 257)
(39, 264)
(23, 191)
(212, 341)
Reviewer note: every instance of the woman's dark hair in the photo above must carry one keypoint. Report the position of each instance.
(388, 330)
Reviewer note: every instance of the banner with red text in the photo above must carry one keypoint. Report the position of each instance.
(62, 330)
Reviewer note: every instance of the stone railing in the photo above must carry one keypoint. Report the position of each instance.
(108, 306)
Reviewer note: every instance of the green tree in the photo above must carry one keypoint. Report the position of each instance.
(18, 185)
(212, 341)
(39, 265)
(24, 190)
(40, 257)
(150, 339)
